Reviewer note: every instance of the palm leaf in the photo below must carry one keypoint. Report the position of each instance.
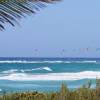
(12, 10)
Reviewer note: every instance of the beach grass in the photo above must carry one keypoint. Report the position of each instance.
(83, 93)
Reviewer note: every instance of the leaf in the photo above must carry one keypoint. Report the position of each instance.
(13, 10)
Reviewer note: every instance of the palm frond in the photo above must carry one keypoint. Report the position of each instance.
(12, 10)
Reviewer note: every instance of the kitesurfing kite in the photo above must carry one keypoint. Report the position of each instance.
(12, 10)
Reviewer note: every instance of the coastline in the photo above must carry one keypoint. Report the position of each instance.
(83, 93)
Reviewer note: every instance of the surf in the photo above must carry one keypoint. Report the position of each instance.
(51, 76)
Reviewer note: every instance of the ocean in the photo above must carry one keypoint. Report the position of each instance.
(46, 74)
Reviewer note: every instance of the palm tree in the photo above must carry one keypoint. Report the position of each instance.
(12, 10)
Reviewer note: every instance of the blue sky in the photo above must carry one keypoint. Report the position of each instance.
(65, 29)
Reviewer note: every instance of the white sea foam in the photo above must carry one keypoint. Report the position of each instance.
(25, 70)
(40, 68)
(10, 71)
(0, 90)
(19, 61)
(86, 61)
(52, 76)
(53, 61)
(47, 68)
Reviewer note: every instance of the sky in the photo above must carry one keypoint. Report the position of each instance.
(70, 28)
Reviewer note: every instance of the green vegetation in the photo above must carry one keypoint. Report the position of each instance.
(83, 93)
(13, 10)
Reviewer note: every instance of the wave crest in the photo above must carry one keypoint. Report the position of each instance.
(48, 61)
(51, 76)
(26, 70)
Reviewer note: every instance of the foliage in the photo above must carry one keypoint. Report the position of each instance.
(83, 93)
(11, 10)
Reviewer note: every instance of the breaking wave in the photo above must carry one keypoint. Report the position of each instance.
(41, 68)
(10, 71)
(51, 76)
(19, 61)
(26, 70)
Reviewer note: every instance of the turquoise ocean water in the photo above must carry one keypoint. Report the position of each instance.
(46, 74)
